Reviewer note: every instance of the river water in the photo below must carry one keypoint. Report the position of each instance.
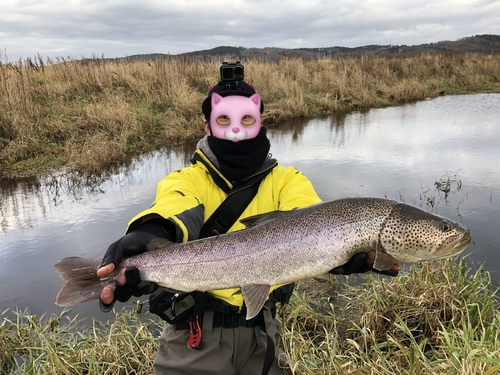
(442, 155)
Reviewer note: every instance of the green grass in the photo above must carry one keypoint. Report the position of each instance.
(57, 345)
(435, 318)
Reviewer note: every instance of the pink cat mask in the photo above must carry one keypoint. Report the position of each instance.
(235, 117)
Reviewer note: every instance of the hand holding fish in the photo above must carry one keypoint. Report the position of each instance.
(128, 284)
(390, 272)
(128, 281)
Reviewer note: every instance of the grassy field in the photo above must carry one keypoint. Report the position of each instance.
(90, 115)
(435, 318)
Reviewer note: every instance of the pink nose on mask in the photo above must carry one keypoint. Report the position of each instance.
(235, 107)
(235, 136)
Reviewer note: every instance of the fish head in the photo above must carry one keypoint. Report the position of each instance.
(412, 235)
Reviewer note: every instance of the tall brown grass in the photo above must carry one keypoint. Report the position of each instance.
(88, 115)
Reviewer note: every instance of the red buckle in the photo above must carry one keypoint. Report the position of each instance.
(194, 340)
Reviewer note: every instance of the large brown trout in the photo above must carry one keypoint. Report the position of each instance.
(280, 247)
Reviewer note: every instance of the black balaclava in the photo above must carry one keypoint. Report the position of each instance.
(239, 160)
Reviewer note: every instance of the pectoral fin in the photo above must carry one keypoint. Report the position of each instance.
(383, 261)
(255, 295)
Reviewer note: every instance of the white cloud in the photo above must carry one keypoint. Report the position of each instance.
(117, 28)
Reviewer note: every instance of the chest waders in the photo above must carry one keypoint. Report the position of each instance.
(185, 311)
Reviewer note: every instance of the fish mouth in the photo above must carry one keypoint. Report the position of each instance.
(464, 241)
(456, 245)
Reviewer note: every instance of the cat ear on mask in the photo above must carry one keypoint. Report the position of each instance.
(256, 99)
(216, 98)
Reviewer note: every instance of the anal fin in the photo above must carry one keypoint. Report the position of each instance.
(255, 296)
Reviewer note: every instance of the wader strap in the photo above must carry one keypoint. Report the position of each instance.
(208, 321)
(270, 346)
(228, 212)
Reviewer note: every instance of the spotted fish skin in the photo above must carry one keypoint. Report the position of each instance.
(282, 247)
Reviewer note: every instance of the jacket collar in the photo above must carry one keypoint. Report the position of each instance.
(225, 185)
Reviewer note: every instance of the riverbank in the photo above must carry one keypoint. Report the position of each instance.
(435, 318)
(93, 115)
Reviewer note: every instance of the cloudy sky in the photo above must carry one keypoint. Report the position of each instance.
(115, 28)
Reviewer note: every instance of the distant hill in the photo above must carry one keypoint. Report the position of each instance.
(478, 43)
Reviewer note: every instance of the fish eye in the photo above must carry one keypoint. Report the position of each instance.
(445, 227)
(248, 120)
(223, 120)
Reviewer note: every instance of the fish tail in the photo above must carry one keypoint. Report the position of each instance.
(81, 281)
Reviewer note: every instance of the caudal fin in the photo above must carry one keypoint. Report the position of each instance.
(82, 283)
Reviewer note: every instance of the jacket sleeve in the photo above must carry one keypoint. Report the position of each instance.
(178, 201)
(295, 190)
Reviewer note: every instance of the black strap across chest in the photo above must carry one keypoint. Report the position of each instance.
(239, 197)
(232, 207)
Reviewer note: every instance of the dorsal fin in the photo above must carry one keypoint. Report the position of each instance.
(261, 219)
(159, 243)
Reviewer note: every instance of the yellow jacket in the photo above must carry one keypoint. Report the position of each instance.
(187, 198)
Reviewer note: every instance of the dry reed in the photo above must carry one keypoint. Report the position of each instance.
(92, 114)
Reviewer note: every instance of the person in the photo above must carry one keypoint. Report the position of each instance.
(234, 151)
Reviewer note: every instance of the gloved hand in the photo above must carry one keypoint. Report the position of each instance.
(359, 264)
(133, 243)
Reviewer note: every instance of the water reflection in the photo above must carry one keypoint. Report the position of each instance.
(399, 153)
(294, 129)
(29, 201)
(50, 217)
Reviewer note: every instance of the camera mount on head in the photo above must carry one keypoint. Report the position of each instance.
(231, 73)
(231, 83)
